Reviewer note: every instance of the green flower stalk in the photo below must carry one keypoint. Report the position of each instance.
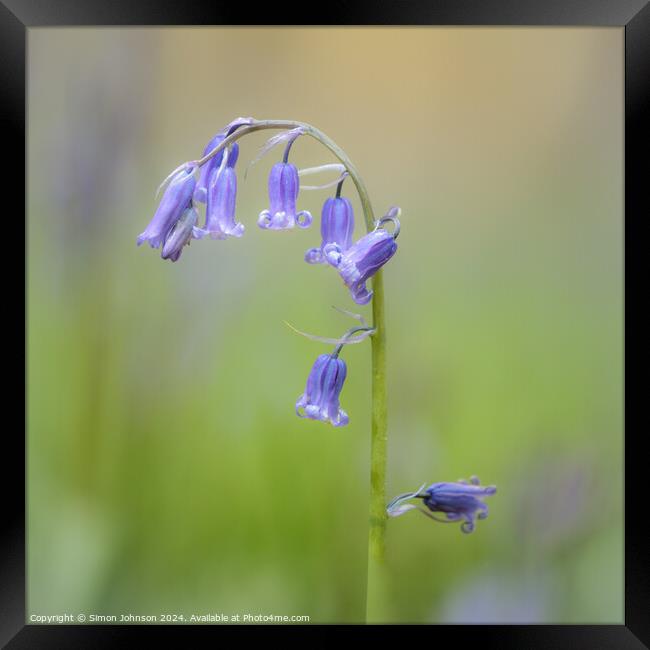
(356, 263)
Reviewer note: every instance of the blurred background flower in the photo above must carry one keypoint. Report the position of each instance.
(166, 468)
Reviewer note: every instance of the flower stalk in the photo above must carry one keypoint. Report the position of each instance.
(376, 586)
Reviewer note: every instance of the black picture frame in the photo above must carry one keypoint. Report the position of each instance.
(17, 16)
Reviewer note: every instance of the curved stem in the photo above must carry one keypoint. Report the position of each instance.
(376, 588)
(308, 129)
(346, 336)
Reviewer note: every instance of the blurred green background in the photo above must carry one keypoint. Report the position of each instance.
(167, 471)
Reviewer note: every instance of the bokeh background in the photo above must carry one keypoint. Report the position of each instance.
(167, 472)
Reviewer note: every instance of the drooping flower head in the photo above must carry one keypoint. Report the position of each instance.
(364, 258)
(336, 228)
(458, 501)
(179, 235)
(176, 198)
(283, 192)
(320, 401)
(220, 220)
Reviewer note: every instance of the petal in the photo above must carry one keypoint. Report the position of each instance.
(276, 203)
(174, 201)
(360, 294)
(300, 405)
(342, 419)
(288, 188)
(264, 220)
(337, 222)
(314, 256)
(220, 208)
(468, 526)
(179, 235)
(332, 254)
(312, 411)
(201, 191)
(304, 219)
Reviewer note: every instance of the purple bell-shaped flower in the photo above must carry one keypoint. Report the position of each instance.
(362, 260)
(283, 192)
(220, 219)
(459, 501)
(320, 401)
(175, 200)
(336, 227)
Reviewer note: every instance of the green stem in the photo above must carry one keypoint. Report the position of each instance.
(377, 591)
(376, 598)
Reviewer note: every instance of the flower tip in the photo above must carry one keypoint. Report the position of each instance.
(313, 256)
(238, 230)
(342, 419)
(264, 220)
(362, 297)
(467, 527)
(304, 219)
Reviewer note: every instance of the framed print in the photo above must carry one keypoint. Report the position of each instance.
(209, 445)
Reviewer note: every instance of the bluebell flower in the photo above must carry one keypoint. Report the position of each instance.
(221, 200)
(175, 200)
(362, 260)
(283, 192)
(207, 170)
(457, 501)
(210, 167)
(336, 227)
(179, 235)
(320, 401)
